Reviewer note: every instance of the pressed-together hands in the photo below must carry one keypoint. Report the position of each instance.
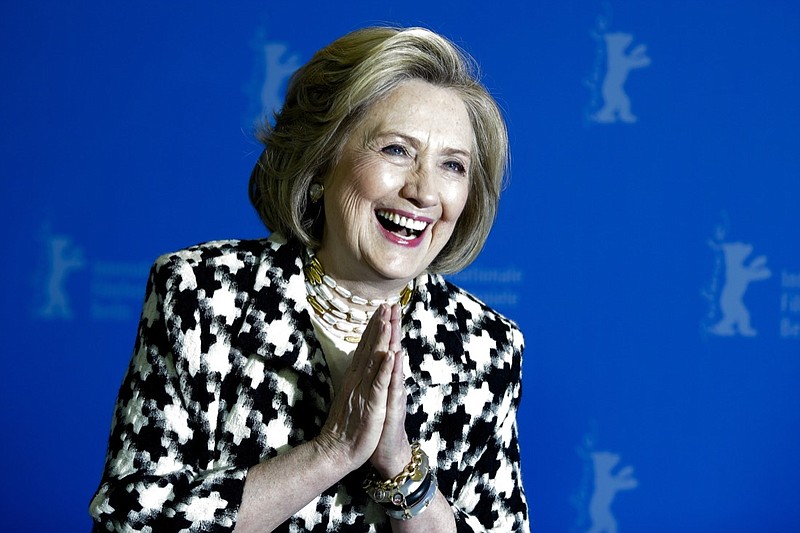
(366, 423)
(367, 418)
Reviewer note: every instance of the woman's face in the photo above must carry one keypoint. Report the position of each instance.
(394, 198)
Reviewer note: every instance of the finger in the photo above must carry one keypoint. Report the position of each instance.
(379, 389)
(395, 320)
(393, 450)
(397, 396)
(378, 346)
(384, 336)
(364, 351)
(375, 361)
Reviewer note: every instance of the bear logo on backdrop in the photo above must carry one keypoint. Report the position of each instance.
(734, 271)
(738, 275)
(600, 485)
(274, 65)
(62, 258)
(619, 62)
(614, 60)
(106, 289)
(278, 67)
(607, 483)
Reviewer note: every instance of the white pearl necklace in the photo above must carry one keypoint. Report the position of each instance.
(330, 301)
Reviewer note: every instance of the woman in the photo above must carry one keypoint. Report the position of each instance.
(328, 378)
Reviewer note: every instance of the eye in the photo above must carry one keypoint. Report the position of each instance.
(455, 166)
(394, 149)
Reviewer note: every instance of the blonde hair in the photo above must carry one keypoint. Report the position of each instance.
(333, 92)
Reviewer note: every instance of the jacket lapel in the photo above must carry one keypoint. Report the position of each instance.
(431, 335)
(276, 324)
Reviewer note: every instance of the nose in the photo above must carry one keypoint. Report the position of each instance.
(420, 187)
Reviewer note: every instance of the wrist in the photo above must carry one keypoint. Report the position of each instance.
(389, 467)
(333, 452)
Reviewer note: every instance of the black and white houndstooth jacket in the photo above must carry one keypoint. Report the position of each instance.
(227, 372)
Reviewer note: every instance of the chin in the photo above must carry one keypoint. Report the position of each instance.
(401, 267)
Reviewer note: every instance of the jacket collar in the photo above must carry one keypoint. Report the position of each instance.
(276, 323)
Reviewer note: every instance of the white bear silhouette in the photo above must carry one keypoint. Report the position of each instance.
(616, 104)
(277, 70)
(63, 259)
(738, 276)
(606, 486)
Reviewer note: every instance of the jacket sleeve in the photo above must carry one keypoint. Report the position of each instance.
(492, 498)
(161, 471)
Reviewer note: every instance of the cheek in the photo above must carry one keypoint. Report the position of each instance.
(373, 180)
(347, 204)
(454, 200)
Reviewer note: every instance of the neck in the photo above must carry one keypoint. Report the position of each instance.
(369, 289)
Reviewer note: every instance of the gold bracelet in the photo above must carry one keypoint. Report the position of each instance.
(394, 490)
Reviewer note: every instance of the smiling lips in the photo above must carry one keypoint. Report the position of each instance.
(401, 229)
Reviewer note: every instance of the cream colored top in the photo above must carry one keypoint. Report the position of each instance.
(338, 352)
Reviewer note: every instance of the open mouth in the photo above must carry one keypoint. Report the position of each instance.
(401, 226)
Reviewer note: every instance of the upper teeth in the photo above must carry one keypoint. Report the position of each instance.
(408, 223)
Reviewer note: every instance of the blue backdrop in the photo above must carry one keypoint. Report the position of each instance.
(648, 243)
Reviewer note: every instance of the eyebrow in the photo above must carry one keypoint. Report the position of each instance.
(416, 142)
